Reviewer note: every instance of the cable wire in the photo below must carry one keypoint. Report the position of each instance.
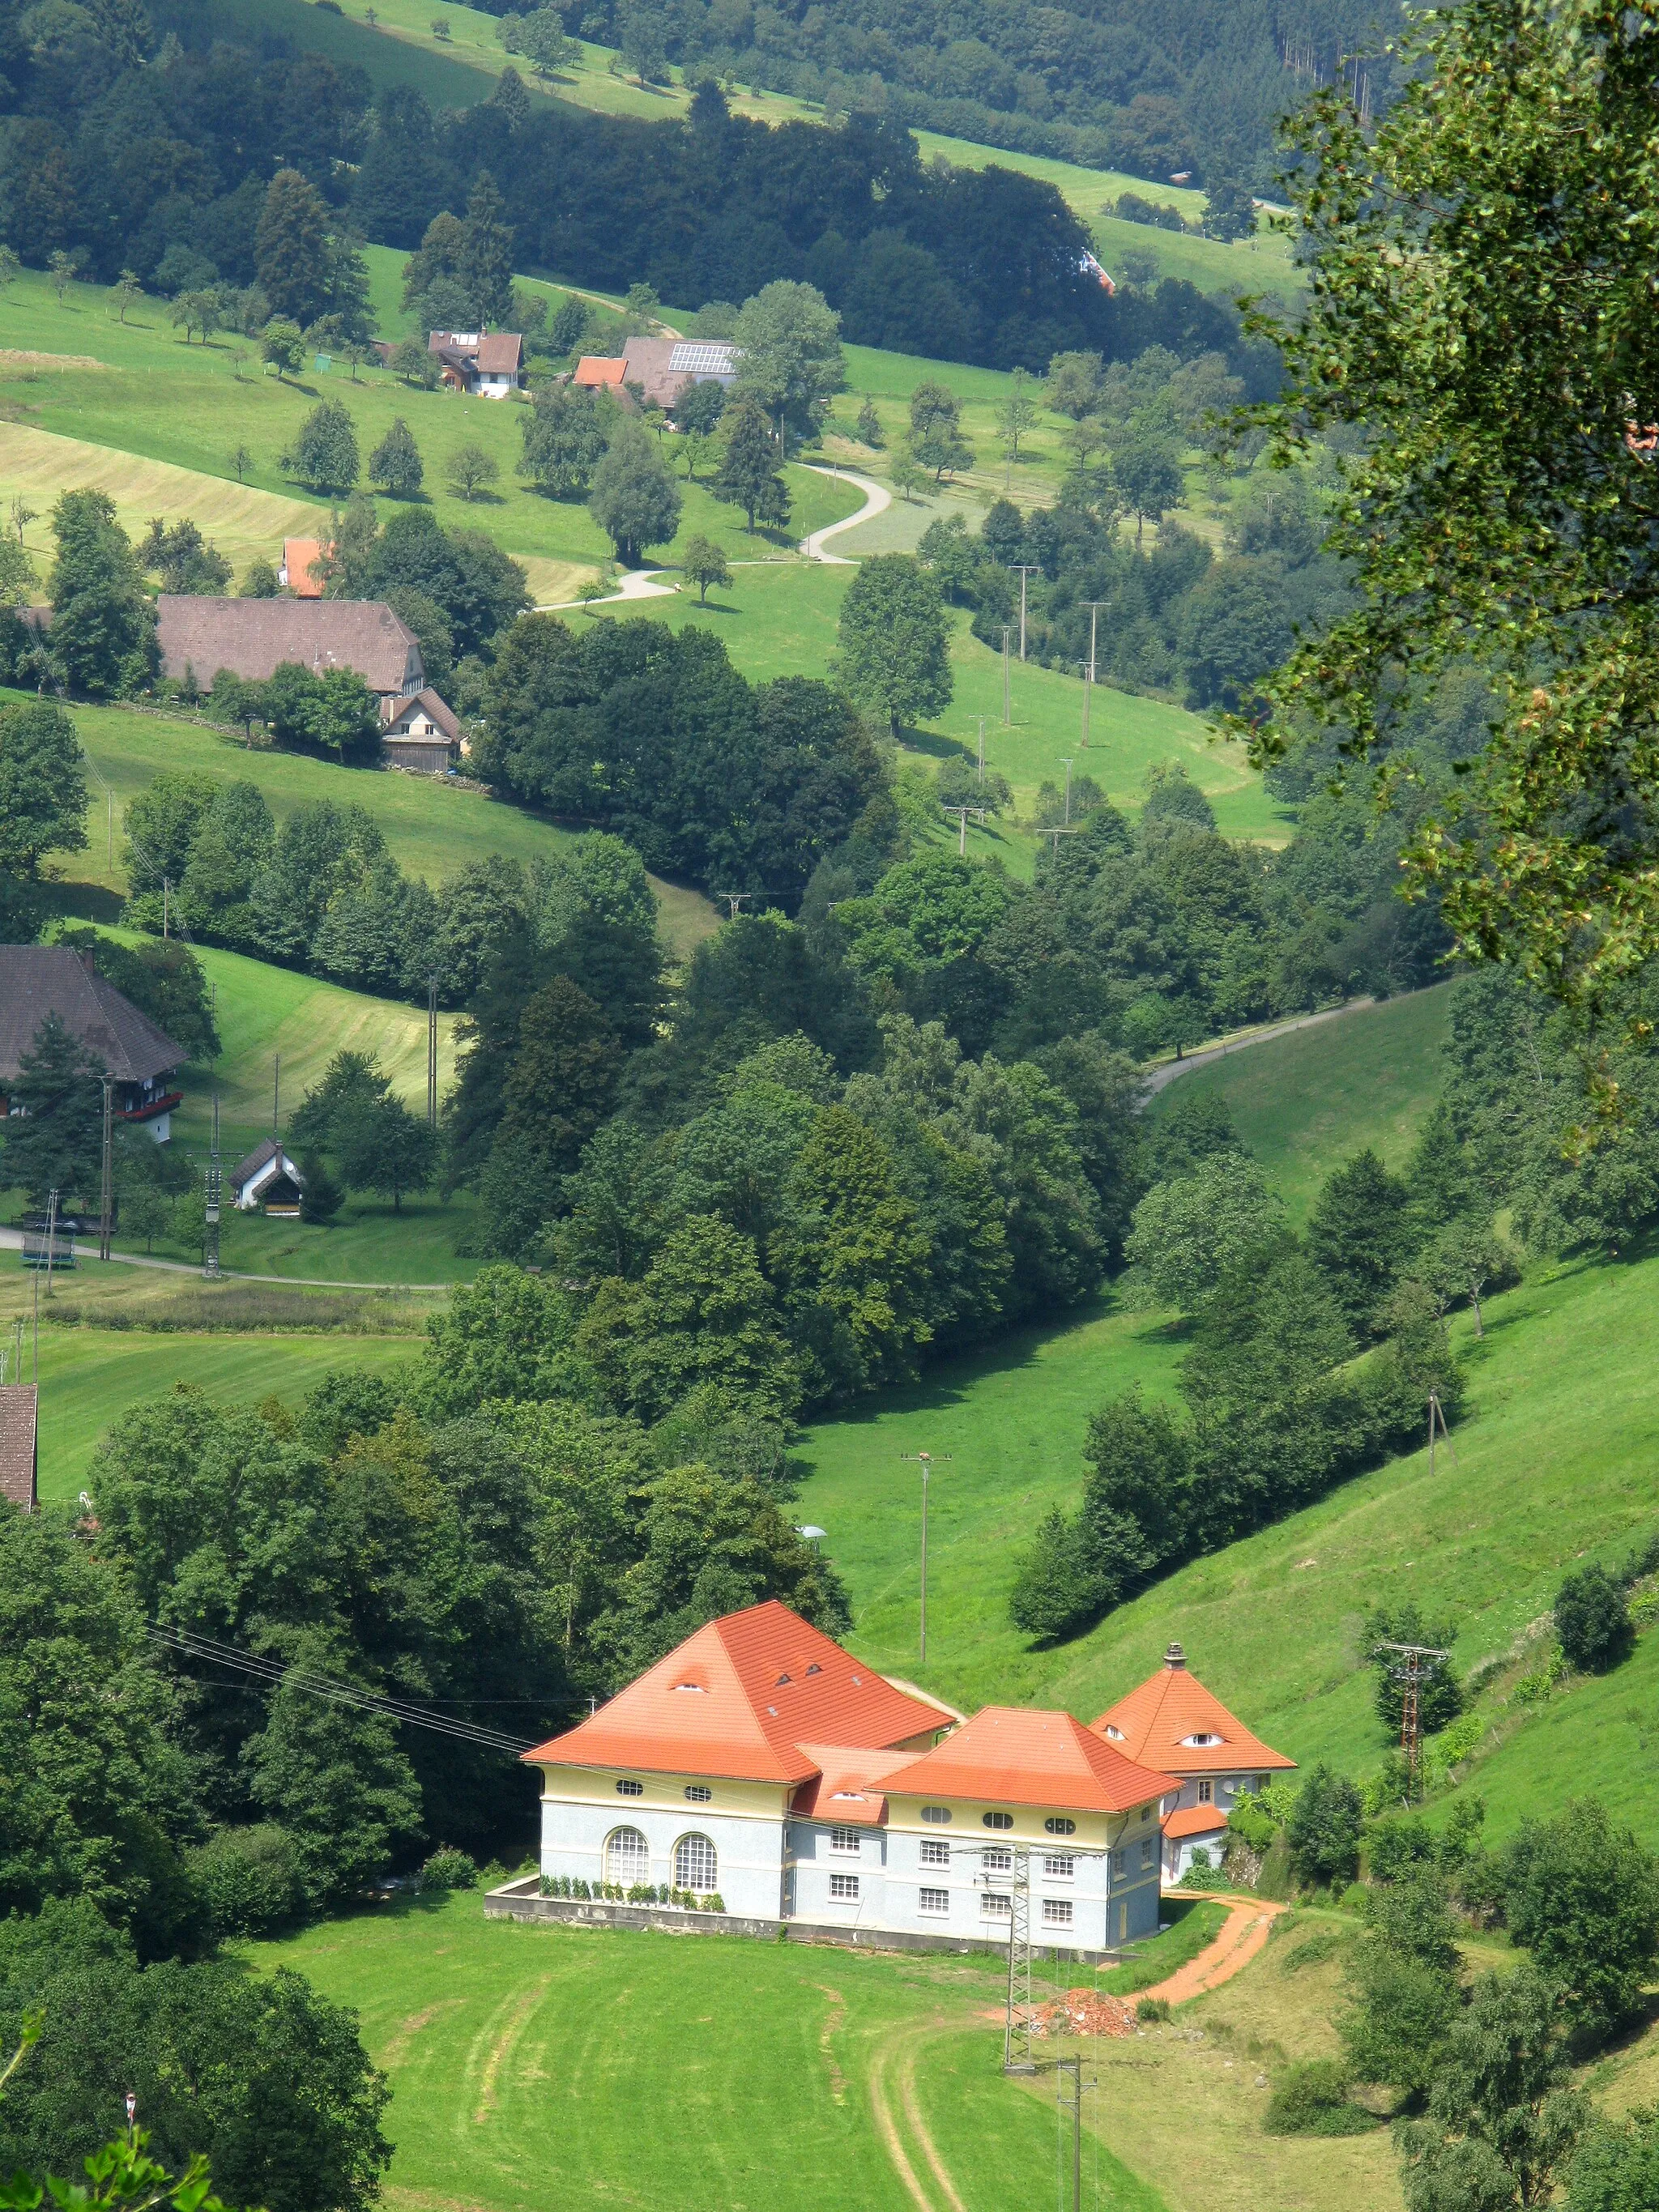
(186, 1645)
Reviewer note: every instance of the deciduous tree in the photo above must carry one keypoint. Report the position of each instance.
(893, 640)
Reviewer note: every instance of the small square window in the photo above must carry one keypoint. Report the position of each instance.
(1147, 1854)
(1059, 1866)
(1057, 1911)
(936, 1900)
(1207, 1793)
(995, 1907)
(845, 1840)
(844, 1885)
(935, 1852)
(997, 1862)
(1145, 1812)
(1120, 1862)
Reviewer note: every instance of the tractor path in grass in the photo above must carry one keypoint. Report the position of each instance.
(876, 500)
(11, 1240)
(1243, 1932)
(1160, 1077)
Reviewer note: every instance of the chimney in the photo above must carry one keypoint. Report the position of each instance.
(1175, 1658)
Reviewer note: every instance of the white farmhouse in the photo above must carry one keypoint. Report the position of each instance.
(762, 1765)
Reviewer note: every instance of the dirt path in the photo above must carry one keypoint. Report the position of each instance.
(876, 500)
(1171, 1068)
(1244, 1931)
(11, 1240)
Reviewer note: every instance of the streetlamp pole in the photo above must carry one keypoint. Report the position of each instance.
(925, 1461)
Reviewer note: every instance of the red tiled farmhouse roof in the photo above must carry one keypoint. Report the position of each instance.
(1008, 1755)
(738, 1699)
(1158, 1721)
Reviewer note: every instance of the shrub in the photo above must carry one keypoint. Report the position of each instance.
(1149, 2009)
(1583, 1896)
(1324, 1829)
(449, 1868)
(1592, 1619)
(249, 1879)
(1312, 2100)
(714, 1903)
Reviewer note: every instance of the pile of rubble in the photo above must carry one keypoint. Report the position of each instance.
(1084, 2012)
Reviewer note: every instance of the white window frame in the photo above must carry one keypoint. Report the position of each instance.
(1057, 1912)
(692, 1839)
(997, 1860)
(1120, 1864)
(1148, 1854)
(1060, 1866)
(995, 1904)
(639, 1870)
(843, 1888)
(935, 1852)
(1207, 1791)
(936, 1903)
(846, 1842)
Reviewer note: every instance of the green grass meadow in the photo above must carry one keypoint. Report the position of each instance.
(1551, 1462)
(534, 2065)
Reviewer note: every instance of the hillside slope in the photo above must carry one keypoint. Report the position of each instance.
(1551, 1462)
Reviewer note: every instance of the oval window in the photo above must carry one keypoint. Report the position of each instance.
(999, 1819)
(937, 1813)
(698, 1792)
(1058, 1824)
(626, 1787)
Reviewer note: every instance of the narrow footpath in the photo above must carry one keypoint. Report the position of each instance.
(1243, 1932)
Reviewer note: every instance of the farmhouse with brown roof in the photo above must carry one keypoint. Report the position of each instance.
(38, 980)
(487, 363)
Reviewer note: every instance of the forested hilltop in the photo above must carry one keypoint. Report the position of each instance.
(120, 149)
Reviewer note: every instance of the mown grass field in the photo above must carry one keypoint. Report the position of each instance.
(1304, 1101)
(1552, 1462)
(538, 2065)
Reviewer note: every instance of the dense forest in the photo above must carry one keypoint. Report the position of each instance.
(120, 151)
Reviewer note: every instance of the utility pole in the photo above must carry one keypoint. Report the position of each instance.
(925, 1461)
(211, 1212)
(1026, 568)
(961, 814)
(276, 1094)
(735, 900)
(107, 1194)
(1418, 1663)
(164, 909)
(109, 796)
(431, 1052)
(1438, 1420)
(1007, 709)
(1068, 767)
(982, 752)
(1059, 830)
(1094, 606)
(51, 1237)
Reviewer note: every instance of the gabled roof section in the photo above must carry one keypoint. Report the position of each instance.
(738, 1699)
(263, 1156)
(1011, 1755)
(501, 353)
(600, 368)
(298, 554)
(1158, 1721)
(38, 980)
(847, 1786)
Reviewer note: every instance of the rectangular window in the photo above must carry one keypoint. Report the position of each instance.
(998, 1862)
(1059, 1866)
(936, 1900)
(844, 1840)
(934, 1853)
(1120, 1862)
(844, 1885)
(1206, 1793)
(1146, 1852)
(995, 1907)
(1057, 1911)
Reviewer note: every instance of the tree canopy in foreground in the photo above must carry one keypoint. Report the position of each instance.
(1481, 304)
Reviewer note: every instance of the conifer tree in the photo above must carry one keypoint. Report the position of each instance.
(291, 247)
(486, 255)
(54, 1135)
(395, 466)
(748, 474)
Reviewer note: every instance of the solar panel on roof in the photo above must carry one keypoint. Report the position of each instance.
(707, 358)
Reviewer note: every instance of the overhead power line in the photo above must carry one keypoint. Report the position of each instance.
(206, 1650)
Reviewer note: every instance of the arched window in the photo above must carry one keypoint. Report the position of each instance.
(695, 1866)
(627, 1857)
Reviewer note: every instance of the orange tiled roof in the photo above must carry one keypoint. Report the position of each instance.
(600, 368)
(847, 1786)
(1195, 1820)
(298, 554)
(1155, 1721)
(1010, 1756)
(737, 1699)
